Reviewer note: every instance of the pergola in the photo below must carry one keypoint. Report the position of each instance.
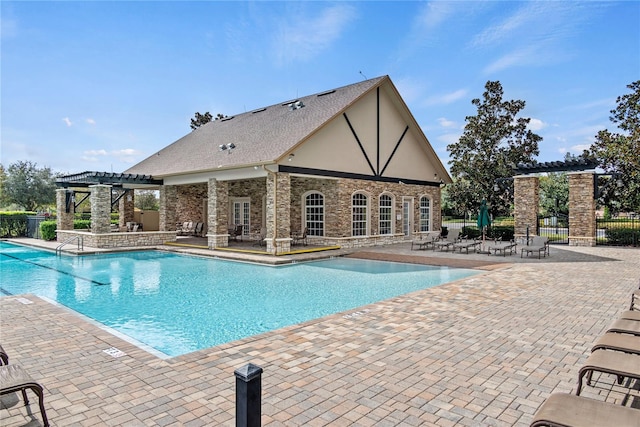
(582, 204)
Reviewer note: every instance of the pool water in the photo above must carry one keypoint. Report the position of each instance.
(177, 304)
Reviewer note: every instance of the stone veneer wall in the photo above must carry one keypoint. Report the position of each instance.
(190, 202)
(337, 200)
(167, 212)
(100, 208)
(526, 198)
(255, 190)
(278, 212)
(217, 223)
(126, 207)
(64, 219)
(118, 240)
(582, 210)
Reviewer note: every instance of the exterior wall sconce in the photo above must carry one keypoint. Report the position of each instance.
(291, 156)
(599, 190)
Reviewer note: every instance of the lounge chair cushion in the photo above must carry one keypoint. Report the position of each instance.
(623, 365)
(625, 326)
(630, 315)
(562, 410)
(13, 378)
(618, 342)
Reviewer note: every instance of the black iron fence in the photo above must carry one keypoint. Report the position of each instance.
(555, 228)
(501, 228)
(618, 231)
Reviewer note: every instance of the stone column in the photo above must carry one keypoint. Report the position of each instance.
(218, 208)
(278, 213)
(64, 219)
(126, 207)
(526, 196)
(100, 208)
(167, 213)
(582, 209)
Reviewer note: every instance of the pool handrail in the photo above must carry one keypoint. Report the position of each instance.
(69, 240)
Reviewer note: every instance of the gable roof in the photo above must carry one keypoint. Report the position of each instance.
(260, 136)
(266, 135)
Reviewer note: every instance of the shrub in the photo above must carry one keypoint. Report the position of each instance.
(471, 232)
(14, 224)
(48, 230)
(622, 236)
(502, 232)
(81, 224)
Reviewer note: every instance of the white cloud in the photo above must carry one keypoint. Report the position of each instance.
(536, 124)
(126, 155)
(447, 98)
(90, 121)
(8, 28)
(410, 89)
(445, 123)
(301, 38)
(579, 148)
(94, 153)
(67, 121)
(515, 58)
(449, 138)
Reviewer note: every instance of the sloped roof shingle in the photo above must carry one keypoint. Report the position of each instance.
(260, 136)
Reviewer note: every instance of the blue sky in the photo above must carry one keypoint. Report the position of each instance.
(101, 85)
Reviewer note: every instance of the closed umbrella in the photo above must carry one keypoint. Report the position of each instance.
(483, 220)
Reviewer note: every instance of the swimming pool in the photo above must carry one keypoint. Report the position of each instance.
(177, 304)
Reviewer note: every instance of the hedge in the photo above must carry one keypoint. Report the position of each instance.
(14, 224)
(48, 230)
(502, 232)
(622, 236)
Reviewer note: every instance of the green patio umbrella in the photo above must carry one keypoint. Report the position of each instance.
(483, 220)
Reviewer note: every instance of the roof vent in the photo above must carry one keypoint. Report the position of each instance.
(327, 92)
(257, 111)
(296, 105)
(226, 119)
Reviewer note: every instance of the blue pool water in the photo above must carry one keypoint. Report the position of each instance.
(178, 304)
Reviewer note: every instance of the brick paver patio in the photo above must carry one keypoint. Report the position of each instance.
(482, 351)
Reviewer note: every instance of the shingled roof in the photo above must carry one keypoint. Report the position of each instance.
(261, 136)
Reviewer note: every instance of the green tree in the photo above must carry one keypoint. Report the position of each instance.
(203, 119)
(147, 200)
(554, 194)
(3, 180)
(30, 187)
(617, 154)
(492, 143)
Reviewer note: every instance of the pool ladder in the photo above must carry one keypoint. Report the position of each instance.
(69, 240)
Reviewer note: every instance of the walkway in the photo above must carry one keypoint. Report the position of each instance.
(482, 351)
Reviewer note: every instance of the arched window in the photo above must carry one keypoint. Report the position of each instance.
(425, 213)
(385, 224)
(314, 214)
(359, 214)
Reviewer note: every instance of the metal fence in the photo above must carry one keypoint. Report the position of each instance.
(500, 228)
(618, 231)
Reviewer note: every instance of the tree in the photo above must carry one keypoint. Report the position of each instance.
(3, 180)
(30, 187)
(203, 119)
(493, 142)
(554, 194)
(617, 154)
(147, 200)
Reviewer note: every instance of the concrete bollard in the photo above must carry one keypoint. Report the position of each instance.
(248, 396)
